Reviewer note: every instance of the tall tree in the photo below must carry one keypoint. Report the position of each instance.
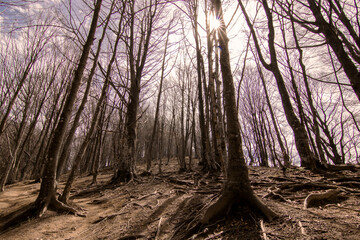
(137, 46)
(149, 151)
(205, 147)
(237, 189)
(308, 159)
(47, 195)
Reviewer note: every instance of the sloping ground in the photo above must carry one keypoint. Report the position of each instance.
(159, 207)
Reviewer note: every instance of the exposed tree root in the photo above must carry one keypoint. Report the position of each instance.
(202, 218)
(316, 198)
(221, 206)
(121, 176)
(275, 196)
(227, 201)
(191, 212)
(107, 217)
(36, 210)
(336, 168)
(58, 206)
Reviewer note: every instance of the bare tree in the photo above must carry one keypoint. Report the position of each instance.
(237, 189)
(137, 46)
(301, 139)
(47, 194)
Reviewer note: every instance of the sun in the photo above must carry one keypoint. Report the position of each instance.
(214, 22)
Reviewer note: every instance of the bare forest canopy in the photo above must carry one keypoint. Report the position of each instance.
(216, 86)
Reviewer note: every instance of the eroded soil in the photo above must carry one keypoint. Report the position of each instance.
(160, 206)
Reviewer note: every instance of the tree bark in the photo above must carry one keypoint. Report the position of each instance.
(47, 196)
(126, 169)
(301, 139)
(237, 189)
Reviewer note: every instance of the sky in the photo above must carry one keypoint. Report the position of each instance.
(17, 13)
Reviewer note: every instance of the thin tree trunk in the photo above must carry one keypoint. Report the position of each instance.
(205, 158)
(285, 154)
(148, 155)
(301, 139)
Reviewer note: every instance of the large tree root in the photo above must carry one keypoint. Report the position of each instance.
(316, 198)
(229, 200)
(36, 210)
(121, 176)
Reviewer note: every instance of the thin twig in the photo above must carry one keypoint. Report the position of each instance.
(262, 226)
(158, 229)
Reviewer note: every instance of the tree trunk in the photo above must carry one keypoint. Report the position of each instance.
(47, 196)
(205, 158)
(65, 149)
(301, 139)
(126, 169)
(100, 109)
(237, 189)
(148, 155)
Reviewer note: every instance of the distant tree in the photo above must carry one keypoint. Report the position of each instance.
(137, 41)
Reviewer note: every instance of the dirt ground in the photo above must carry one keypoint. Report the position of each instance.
(162, 206)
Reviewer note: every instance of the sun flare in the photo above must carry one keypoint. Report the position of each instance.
(214, 22)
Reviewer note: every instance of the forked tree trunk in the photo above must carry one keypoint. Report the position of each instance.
(237, 188)
(126, 168)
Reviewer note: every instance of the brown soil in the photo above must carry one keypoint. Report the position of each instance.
(162, 207)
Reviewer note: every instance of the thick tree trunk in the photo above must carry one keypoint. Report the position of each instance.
(237, 189)
(47, 196)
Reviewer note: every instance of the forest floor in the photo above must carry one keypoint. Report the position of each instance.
(160, 206)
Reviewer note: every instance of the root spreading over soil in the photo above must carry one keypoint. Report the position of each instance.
(171, 206)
